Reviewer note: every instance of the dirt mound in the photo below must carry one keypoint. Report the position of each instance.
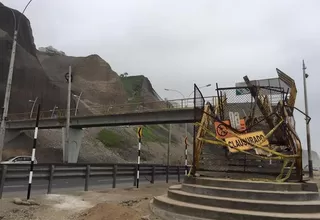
(108, 211)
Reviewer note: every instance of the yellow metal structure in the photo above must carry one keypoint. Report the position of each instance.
(204, 124)
(292, 138)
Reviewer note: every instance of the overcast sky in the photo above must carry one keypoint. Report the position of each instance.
(181, 42)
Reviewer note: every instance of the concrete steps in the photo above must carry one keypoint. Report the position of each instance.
(241, 176)
(257, 185)
(250, 193)
(214, 198)
(209, 212)
(246, 204)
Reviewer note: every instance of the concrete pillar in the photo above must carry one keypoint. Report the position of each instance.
(71, 152)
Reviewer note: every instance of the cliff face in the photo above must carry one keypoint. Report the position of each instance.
(8, 18)
(29, 79)
(40, 74)
(92, 76)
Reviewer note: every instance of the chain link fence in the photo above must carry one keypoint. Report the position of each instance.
(257, 109)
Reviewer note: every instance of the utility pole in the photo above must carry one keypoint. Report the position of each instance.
(169, 146)
(7, 94)
(68, 116)
(305, 76)
(9, 80)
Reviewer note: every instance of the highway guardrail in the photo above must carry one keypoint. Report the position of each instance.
(14, 172)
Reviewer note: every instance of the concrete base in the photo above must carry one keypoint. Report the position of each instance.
(71, 152)
(213, 198)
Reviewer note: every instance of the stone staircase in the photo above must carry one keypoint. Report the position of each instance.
(230, 199)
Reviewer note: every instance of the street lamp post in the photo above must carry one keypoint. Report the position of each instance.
(53, 110)
(9, 80)
(186, 125)
(208, 85)
(66, 145)
(305, 76)
(173, 90)
(77, 105)
(169, 142)
(34, 103)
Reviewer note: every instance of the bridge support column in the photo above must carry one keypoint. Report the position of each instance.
(71, 152)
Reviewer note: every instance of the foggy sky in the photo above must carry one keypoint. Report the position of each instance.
(181, 42)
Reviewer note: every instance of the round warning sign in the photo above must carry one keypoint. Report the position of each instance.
(222, 130)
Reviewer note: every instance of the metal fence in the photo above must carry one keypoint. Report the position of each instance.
(50, 172)
(257, 108)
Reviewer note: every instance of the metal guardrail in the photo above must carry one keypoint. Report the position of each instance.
(11, 172)
(112, 109)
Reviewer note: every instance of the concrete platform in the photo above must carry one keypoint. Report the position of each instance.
(246, 204)
(185, 209)
(251, 193)
(216, 198)
(257, 185)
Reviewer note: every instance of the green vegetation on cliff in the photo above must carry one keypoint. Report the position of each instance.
(133, 86)
(110, 138)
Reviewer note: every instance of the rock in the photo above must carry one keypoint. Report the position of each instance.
(32, 202)
(17, 201)
(146, 217)
(29, 202)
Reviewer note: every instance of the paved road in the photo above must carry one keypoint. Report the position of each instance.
(19, 188)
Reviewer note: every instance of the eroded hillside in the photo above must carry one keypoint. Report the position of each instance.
(40, 74)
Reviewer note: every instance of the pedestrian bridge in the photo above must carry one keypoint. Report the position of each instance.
(159, 112)
(173, 116)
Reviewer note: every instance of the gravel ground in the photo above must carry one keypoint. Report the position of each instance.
(113, 204)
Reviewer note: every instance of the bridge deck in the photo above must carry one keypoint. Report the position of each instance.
(173, 116)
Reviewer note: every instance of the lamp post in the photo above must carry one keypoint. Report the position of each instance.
(34, 103)
(9, 80)
(174, 90)
(208, 85)
(77, 105)
(305, 76)
(66, 144)
(53, 110)
(186, 125)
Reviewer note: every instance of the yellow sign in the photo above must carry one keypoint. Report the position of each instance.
(257, 138)
(139, 132)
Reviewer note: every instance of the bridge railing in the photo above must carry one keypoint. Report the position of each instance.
(112, 109)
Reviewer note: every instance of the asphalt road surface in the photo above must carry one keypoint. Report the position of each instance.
(19, 188)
